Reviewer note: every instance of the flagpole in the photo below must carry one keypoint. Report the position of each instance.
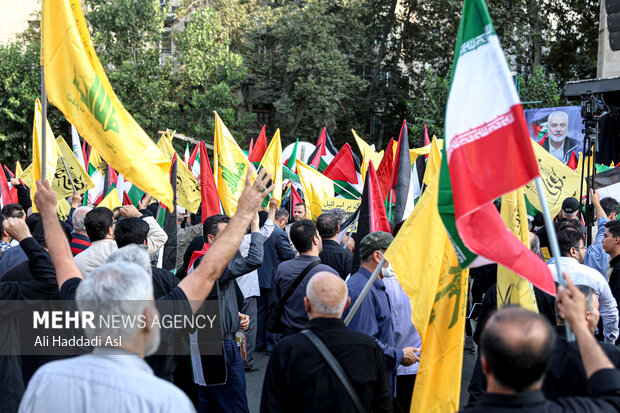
(62, 158)
(351, 231)
(553, 242)
(365, 290)
(43, 123)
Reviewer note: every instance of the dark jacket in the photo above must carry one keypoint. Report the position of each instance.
(298, 379)
(337, 257)
(570, 145)
(604, 386)
(614, 278)
(277, 249)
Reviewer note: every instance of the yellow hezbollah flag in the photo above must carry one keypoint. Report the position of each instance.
(511, 288)
(424, 262)
(230, 165)
(316, 188)
(51, 149)
(188, 189)
(433, 164)
(272, 161)
(63, 209)
(559, 181)
(77, 85)
(111, 200)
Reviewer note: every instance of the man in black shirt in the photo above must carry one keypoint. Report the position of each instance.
(298, 379)
(333, 254)
(517, 346)
(611, 245)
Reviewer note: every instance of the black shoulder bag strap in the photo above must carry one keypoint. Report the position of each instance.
(298, 281)
(333, 363)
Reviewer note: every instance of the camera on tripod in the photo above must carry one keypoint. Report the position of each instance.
(592, 107)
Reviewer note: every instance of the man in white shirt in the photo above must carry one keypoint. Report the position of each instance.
(573, 252)
(111, 379)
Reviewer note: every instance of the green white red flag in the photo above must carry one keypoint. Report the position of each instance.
(488, 151)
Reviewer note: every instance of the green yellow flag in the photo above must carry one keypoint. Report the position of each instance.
(272, 161)
(512, 289)
(51, 149)
(230, 167)
(424, 261)
(111, 200)
(316, 188)
(559, 181)
(433, 164)
(77, 85)
(188, 189)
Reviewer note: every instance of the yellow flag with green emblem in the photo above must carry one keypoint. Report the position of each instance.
(426, 266)
(230, 167)
(77, 85)
(512, 289)
(272, 161)
(316, 188)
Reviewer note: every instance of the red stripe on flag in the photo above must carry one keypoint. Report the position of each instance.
(210, 199)
(490, 161)
(378, 216)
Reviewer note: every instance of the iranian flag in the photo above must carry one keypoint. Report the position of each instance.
(488, 152)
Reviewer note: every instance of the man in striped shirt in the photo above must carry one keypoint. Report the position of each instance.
(80, 239)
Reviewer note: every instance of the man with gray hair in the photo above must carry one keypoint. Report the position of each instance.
(114, 376)
(557, 143)
(80, 239)
(297, 372)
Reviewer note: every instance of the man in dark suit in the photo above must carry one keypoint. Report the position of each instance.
(276, 249)
(333, 254)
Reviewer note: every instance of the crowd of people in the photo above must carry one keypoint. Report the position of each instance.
(262, 265)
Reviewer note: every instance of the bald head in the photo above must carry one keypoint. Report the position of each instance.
(517, 346)
(326, 296)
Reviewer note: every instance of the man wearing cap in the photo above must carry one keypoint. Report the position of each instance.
(373, 316)
(569, 211)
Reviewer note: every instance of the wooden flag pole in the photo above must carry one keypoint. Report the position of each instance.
(553, 242)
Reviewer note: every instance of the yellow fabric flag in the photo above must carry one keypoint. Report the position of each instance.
(77, 85)
(272, 161)
(18, 169)
(559, 181)
(511, 288)
(63, 209)
(367, 152)
(51, 149)
(433, 164)
(188, 189)
(425, 150)
(426, 266)
(230, 167)
(111, 200)
(316, 187)
(612, 165)
(62, 183)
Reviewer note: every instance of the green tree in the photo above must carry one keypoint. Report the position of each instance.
(540, 87)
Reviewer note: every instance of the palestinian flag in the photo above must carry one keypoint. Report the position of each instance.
(347, 180)
(291, 162)
(488, 152)
(210, 199)
(384, 172)
(12, 195)
(401, 178)
(324, 152)
(5, 194)
(194, 162)
(607, 183)
(372, 216)
(259, 148)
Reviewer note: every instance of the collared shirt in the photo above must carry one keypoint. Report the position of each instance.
(11, 257)
(4, 246)
(79, 243)
(337, 257)
(604, 387)
(298, 379)
(405, 333)
(596, 257)
(373, 318)
(248, 283)
(584, 275)
(108, 380)
(294, 309)
(95, 255)
(558, 153)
